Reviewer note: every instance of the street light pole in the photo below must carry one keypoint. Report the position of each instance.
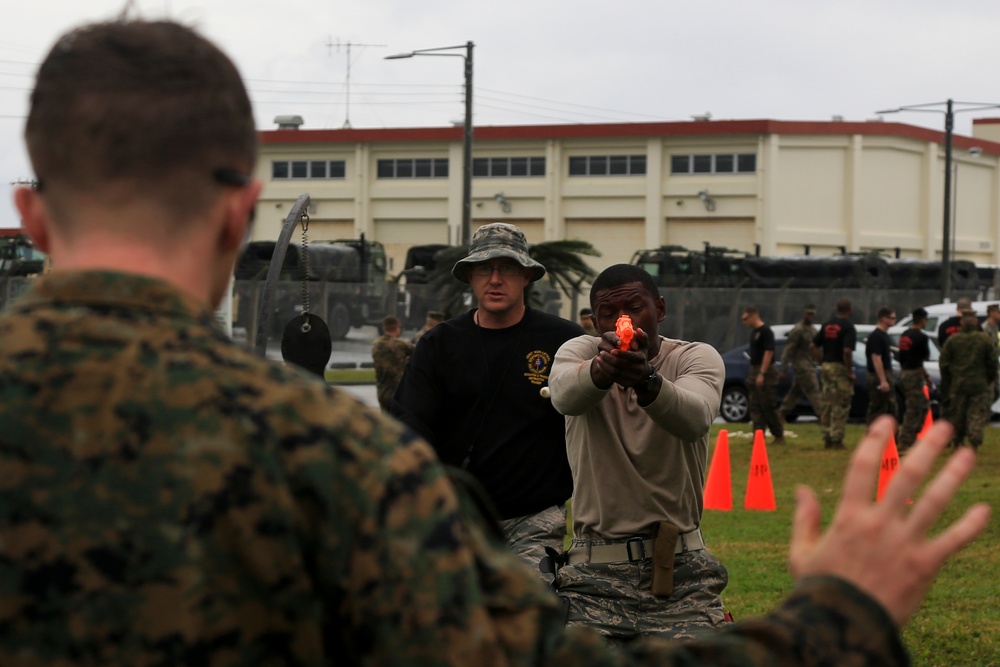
(467, 134)
(949, 126)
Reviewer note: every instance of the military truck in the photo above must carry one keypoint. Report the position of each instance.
(20, 257)
(415, 295)
(347, 281)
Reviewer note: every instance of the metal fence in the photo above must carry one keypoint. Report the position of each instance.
(713, 314)
(704, 313)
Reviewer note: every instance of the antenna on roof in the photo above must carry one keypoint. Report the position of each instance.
(347, 89)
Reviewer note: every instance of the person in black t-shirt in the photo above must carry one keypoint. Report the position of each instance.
(914, 350)
(762, 382)
(878, 356)
(836, 339)
(953, 324)
(476, 389)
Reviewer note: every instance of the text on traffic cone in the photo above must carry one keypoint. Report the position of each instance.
(760, 491)
(890, 464)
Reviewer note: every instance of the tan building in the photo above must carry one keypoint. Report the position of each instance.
(786, 187)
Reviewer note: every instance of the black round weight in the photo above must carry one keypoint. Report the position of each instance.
(306, 343)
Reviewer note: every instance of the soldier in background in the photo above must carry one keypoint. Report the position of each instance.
(836, 340)
(953, 324)
(434, 318)
(762, 382)
(914, 350)
(390, 354)
(969, 370)
(798, 355)
(878, 358)
(990, 326)
(587, 321)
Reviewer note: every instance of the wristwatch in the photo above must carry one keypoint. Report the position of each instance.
(648, 383)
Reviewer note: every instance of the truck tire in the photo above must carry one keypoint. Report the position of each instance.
(339, 321)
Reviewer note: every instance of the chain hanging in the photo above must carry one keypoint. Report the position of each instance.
(304, 263)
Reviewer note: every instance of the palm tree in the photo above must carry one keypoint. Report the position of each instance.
(565, 269)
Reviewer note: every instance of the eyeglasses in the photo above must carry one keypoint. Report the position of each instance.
(505, 270)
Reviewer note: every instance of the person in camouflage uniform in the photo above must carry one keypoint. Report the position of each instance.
(637, 429)
(390, 354)
(798, 356)
(969, 370)
(166, 498)
(836, 340)
(914, 350)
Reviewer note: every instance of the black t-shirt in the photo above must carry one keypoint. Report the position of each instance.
(879, 344)
(950, 326)
(474, 393)
(914, 349)
(834, 337)
(761, 340)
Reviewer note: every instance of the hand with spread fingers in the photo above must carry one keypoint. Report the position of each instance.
(884, 548)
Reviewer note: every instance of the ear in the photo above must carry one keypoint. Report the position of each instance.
(661, 309)
(239, 208)
(33, 216)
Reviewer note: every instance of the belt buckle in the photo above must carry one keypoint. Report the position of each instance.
(642, 549)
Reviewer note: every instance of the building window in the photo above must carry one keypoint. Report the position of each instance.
(714, 163)
(607, 165)
(503, 167)
(285, 169)
(413, 168)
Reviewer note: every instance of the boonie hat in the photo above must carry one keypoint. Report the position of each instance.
(498, 240)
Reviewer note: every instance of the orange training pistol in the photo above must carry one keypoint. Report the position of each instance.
(624, 331)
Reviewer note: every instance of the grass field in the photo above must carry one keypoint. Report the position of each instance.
(958, 624)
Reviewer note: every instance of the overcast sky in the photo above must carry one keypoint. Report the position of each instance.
(555, 61)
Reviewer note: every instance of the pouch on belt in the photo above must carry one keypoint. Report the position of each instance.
(664, 543)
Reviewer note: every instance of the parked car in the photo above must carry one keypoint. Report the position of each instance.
(735, 405)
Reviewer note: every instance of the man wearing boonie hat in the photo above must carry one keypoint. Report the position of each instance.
(798, 355)
(473, 389)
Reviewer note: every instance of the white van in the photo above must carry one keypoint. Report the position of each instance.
(937, 314)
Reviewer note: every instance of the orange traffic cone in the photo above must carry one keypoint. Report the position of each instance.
(929, 418)
(890, 464)
(760, 491)
(719, 487)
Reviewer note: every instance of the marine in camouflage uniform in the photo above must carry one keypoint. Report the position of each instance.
(798, 356)
(837, 339)
(969, 370)
(390, 353)
(914, 350)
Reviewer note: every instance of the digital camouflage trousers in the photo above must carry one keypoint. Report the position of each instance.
(527, 536)
(969, 414)
(911, 382)
(804, 384)
(616, 598)
(838, 388)
(881, 402)
(763, 402)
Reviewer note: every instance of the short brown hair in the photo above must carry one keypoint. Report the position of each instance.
(390, 323)
(148, 104)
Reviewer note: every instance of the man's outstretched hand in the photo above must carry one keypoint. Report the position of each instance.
(883, 548)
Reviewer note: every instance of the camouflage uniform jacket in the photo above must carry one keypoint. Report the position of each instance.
(390, 354)
(167, 498)
(968, 362)
(797, 353)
